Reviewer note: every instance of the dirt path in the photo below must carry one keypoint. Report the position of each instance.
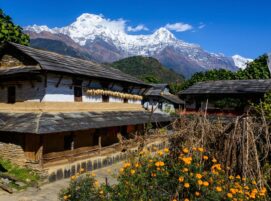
(49, 192)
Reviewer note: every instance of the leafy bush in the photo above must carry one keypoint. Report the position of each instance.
(189, 174)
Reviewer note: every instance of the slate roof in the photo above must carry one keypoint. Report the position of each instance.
(51, 61)
(229, 87)
(157, 89)
(44, 123)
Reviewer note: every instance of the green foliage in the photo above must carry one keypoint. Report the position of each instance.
(26, 175)
(220, 74)
(179, 175)
(81, 188)
(257, 69)
(264, 107)
(11, 32)
(147, 69)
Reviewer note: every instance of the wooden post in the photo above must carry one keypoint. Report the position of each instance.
(100, 144)
(206, 108)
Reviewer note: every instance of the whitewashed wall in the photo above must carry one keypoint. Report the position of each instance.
(24, 91)
(134, 101)
(63, 93)
(92, 99)
(115, 99)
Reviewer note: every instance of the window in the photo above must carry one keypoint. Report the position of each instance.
(11, 94)
(105, 98)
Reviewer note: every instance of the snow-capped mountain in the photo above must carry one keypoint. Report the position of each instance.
(241, 62)
(107, 40)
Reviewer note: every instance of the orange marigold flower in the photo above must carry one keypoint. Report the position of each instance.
(65, 197)
(229, 195)
(197, 193)
(187, 160)
(185, 170)
(200, 149)
(199, 176)
(181, 179)
(205, 183)
(200, 182)
(186, 199)
(166, 150)
(214, 160)
(186, 185)
(218, 189)
(205, 157)
(185, 150)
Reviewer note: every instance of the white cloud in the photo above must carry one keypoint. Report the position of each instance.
(179, 27)
(201, 26)
(140, 27)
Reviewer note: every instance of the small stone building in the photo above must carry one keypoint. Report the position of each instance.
(227, 96)
(160, 100)
(58, 111)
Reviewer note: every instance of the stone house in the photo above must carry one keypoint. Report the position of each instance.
(57, 112)
(226, 96)
(160, 100)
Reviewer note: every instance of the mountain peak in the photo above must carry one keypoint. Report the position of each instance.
(89, 17)
(241, 62)
(164, 34)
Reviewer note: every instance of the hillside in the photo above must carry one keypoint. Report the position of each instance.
(147, 69)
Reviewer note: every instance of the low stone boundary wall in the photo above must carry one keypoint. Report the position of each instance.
(66, 171)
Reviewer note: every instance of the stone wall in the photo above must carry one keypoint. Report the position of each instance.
(66, 171)
(13, 152)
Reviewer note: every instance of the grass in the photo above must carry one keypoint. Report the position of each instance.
(22, 174)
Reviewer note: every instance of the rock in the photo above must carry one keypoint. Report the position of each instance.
(18, 183)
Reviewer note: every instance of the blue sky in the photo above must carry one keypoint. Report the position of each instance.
(229, 26)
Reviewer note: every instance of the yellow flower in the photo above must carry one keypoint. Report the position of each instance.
(93, 174)
(65, 197)
(200, 182)
(137, 165)
(238, 177)
(200, 149)
(231, 177)
(132, 172)
(185, 150)
(205, 183)
(186, 185)
(214, 160)
(121, 170)
(159, 164)
(185, 169)
(181, 179)
(187, 160)
(166, 150)
(174, 199)
(205, 157)
(186, 199)
(73, 177)
(160, 153)
(229, 195)
(101, 192)
(199, 176)
(126, 165)
(218, 189)
(197, 193)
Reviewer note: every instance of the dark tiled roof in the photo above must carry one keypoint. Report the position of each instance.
(157, 90)
(51, 61)
(172, 98)
(42, 123)
(229, 87)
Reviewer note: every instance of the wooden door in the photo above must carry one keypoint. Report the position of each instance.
(11, 94)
